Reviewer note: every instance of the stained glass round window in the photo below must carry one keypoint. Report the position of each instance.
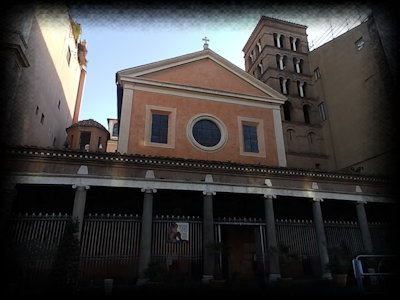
(206, 133)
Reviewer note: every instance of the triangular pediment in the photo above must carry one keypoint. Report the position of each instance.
(204, 69)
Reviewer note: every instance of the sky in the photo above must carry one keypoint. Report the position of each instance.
(119, 38)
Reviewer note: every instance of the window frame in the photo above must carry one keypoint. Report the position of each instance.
(253, 146)
(69, 54)
(317, 74)
(115, 126)
(259, 124)
(218, 122)
(160, 110)
(322, 111)
(156, 123)
(359, 43)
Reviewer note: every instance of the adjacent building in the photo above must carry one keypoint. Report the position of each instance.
(338, 110)
(353, 86)
(113, 129)
(45, 61)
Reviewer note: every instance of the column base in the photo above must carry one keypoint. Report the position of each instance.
(207, 278)
(273, 277)
(141, 281)
(327, 276)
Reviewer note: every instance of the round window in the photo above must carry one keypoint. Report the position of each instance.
(207, 133)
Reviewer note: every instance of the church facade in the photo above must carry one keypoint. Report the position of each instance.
(198, 185)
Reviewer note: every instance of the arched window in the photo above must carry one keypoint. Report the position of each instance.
(278, 40)
(259, 46)
(260, 68)
(297, 65)
(301, 88)
(287, 108)
(281, 41)
(311, 138)
(281, 61)
(278, 62)
(294, 43)
(290, 134)
(284, 85)
(115, 130)
(249, 62)
(275, 39)
(306, 113)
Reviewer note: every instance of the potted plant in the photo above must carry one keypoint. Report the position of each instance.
(156, 272)
(339, 264)
(291, 264)
(219, 249)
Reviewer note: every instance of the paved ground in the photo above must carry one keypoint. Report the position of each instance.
(249, 290)
(318, 289)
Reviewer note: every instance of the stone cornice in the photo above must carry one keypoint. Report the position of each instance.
(189, 164)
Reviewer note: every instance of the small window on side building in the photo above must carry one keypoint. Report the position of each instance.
(359, 43)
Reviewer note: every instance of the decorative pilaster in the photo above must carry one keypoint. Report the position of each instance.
(272, 245)
(78, 210)
(125, 123)
(363, 224)
(145, 234)
(321, 238)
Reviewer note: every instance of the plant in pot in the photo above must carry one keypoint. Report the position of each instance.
(291, 264)
(218, 249)
(156, 272)
(339, 264)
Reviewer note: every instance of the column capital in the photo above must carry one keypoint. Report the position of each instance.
(362, 202)
(148, 190)
(317, 200)
(209, 193)
(273, 196)
(80, 187)
(10, 188)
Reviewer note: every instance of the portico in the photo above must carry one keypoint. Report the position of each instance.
(205, 182)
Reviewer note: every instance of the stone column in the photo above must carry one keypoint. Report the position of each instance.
(297, 65)
(78, 210)
(278, 41)
(272, 245)
(363, 224)
(208, 236)
(301, 89)
(321, 238)
(145, 234)
(281, 62)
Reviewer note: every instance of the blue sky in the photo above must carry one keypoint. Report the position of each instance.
(122, 38)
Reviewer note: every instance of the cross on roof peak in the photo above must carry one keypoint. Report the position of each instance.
(206, 40)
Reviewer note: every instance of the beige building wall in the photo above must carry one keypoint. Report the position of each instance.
(194, 87)
(112, 143)
(46, 94)
(353, 87)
